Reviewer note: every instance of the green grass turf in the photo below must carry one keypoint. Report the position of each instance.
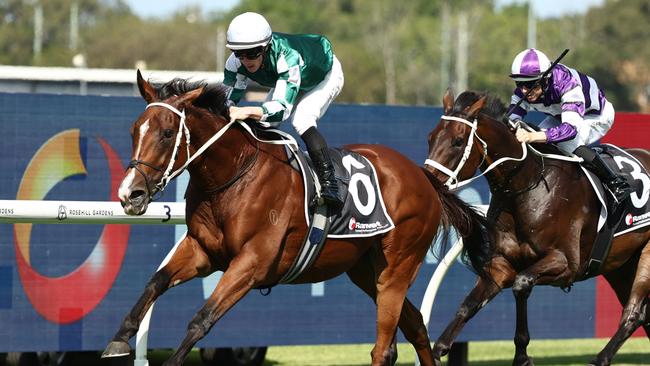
(572, 352)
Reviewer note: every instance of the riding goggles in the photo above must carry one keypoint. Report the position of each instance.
(528, 84)
(250, 54)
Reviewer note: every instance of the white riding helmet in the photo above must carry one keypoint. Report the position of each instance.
(248, 30)
(529, 65)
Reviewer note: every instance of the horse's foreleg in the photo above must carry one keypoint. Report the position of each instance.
(481, 294)
(635, 312)
(552, 268)
(181, 267)
(522, 288)
(236, 282)
(501, 276)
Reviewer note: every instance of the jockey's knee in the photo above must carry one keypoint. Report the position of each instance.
(302, 123)
(587, 154)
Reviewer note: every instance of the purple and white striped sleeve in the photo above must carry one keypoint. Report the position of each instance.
(565, 131)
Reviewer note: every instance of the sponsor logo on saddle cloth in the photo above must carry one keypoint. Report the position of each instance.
(636, 211)
(364, 212)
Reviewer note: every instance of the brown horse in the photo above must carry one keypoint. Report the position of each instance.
(543, 217)
(245, 217)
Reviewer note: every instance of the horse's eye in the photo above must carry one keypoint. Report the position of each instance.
(458, 142)
(168, 133)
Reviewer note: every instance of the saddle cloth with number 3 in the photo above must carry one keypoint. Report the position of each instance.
(635, 212)
(364, 212)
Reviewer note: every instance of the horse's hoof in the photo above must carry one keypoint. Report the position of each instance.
(527, 362)
(596, 363)
(117, 349)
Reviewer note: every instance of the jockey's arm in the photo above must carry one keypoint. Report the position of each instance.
(564, 131)
(243, 113)
(285, 92)
(530, 137)
(236, 82)
(273, 112)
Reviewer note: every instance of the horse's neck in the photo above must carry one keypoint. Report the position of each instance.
(225, 159)
(511, 175)
(230, 159)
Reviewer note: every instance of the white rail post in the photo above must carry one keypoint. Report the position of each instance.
(143, 330)
(438, 276)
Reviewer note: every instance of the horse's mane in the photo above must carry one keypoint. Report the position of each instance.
(493, 107)
(213, 98)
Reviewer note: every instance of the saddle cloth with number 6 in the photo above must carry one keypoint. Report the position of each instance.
(364, 212)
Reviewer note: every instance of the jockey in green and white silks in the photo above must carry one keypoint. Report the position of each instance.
(293, 63)
(305, 77)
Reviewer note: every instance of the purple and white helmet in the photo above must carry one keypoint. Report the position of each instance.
(529, 65)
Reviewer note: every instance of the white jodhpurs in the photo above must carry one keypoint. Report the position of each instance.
(312, 105)
(591, 129)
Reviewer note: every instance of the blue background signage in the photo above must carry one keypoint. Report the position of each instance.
(67, 287)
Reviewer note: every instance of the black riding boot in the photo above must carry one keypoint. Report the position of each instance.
(616, 184)
(320, 156)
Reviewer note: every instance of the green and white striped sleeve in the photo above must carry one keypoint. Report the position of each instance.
(236, 82)
(286, 89)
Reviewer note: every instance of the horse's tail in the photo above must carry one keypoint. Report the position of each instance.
(469, 224)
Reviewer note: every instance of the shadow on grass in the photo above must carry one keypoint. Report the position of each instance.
(158, 357)
(629, 359)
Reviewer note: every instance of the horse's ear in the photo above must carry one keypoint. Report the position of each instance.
(189, 97)
(473, 110)
(146, 90)
(448, 101)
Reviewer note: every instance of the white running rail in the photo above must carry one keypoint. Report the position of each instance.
(173, 213)
(87, 212)
(97, 212)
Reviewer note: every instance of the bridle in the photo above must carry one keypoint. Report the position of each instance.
(453, 182)
(168, 174)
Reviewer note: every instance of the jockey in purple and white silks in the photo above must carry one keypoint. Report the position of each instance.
(578, 112)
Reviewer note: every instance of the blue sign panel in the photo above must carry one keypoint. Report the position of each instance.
(67, 287)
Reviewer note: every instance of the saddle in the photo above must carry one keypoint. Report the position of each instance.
(627, 216)
(364, 212)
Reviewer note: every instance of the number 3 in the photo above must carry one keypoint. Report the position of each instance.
(637, 174)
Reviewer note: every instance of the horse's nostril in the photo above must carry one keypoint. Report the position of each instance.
(137, 195)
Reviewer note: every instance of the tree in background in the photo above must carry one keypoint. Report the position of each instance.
(392, 51)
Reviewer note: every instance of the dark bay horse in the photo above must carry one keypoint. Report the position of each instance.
(542, 218)
(244, 214)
